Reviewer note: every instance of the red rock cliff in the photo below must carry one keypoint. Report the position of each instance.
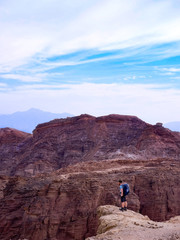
(61, 142)
(62, 205)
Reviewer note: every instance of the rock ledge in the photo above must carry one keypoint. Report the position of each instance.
(118, 225)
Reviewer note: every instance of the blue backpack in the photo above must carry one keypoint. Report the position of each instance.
(126, 189)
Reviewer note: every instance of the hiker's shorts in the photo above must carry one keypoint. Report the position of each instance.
(123, 199)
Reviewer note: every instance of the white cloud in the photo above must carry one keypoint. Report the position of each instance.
(173, 70)
(47, 28)
(24, 78)
(131, 78)
(170, 71)
(151, 103)
(3, 85)
(31, 77)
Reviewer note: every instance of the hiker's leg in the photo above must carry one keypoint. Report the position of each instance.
(122, 201)
(119, 201)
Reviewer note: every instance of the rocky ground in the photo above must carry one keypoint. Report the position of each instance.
(129, 225)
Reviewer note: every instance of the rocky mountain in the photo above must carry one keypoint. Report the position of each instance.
(28, 120)
(61, 142)
(53, 181)
(130, 225)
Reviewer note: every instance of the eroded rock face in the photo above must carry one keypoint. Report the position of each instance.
(127, 225)
(62, 205)
(62, 142)
(12, 142)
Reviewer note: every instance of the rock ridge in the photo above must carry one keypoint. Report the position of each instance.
(12, 136)
(86, 117)
(84, 138)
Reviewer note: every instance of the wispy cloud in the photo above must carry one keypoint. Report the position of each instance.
(171, 70)
(3, 85)
(176, 78)
(59, 28)
(23, 78)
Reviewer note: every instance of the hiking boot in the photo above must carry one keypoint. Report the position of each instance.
(121, 209)
(125, 209)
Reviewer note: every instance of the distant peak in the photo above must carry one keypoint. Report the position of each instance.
(34, 110)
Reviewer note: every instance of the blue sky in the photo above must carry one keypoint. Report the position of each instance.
(94, 56)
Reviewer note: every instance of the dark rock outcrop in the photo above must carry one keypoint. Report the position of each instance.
(61, 142)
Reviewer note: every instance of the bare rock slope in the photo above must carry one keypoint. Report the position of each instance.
(118, 225)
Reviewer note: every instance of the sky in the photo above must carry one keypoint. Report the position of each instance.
(97, 57)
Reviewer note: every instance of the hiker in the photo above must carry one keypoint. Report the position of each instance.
(124, 191)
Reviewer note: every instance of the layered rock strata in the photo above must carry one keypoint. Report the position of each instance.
(62, 205)
(62, 142)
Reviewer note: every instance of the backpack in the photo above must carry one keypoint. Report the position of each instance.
(126, 189)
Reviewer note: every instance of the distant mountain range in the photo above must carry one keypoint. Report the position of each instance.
(173, 126)
(28, 120)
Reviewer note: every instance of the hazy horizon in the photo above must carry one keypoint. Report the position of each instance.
(173, 124)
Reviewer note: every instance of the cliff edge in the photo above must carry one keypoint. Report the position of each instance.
(118, 225)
